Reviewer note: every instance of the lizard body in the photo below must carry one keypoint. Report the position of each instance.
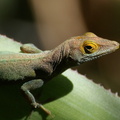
(44, 65)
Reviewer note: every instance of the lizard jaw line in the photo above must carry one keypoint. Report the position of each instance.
(96, 57)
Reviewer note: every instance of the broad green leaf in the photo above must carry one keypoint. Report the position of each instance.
(7, 44)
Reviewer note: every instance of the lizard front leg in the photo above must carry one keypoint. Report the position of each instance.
(31, 85)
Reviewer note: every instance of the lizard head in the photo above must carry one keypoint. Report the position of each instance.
(89, 46)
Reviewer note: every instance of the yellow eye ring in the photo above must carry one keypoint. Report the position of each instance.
(89, 47)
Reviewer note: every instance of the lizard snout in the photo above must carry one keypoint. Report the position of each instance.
(116, 44)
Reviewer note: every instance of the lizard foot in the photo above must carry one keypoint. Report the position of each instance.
(37, 105)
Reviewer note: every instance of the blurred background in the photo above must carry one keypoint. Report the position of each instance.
(48, 23)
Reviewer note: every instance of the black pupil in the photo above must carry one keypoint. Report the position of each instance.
(88, 47)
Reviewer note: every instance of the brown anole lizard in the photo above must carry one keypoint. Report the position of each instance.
(39, 66)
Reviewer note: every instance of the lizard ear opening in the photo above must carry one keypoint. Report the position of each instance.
(89, 47)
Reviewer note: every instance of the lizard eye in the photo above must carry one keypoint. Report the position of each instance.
(89, 47)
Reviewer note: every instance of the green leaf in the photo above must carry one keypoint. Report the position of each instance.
(7, 44)
(69, 96)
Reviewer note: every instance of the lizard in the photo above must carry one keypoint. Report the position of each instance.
(39, 66)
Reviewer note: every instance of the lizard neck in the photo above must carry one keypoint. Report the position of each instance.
(53, 62)
(60, 60)
(60, 53)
